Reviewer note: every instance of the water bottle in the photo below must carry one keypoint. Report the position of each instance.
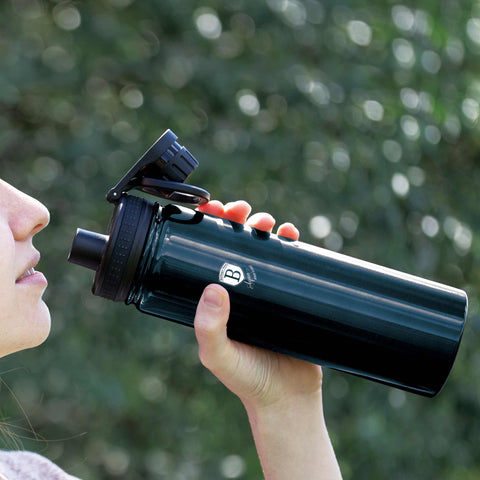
(286, 296)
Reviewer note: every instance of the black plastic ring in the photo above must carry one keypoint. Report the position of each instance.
(127, 238)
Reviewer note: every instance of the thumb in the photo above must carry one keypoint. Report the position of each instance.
(211, 328)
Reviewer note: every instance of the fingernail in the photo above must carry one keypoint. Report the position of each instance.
(213, 298)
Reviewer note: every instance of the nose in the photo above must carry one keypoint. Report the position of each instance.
(27, 215)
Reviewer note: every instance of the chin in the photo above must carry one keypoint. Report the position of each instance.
(42, 326)
(37, 330)
(30, 329)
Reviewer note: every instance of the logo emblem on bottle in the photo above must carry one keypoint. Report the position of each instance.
(231, 274)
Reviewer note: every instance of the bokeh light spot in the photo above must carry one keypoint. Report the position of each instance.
(432, 134)
(403, 18)
(320, 226)
(473, 30)
(248, 102)
(359, 32)
(373, 110)
(430, 226)
(410, 127)
(431, 61)
(404, 52)
(392, 150)
(400, 185)
(470, 109)
(131, 97)
(232, 466)
(207, 22)
(67, 17)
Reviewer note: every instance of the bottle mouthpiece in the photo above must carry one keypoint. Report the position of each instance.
(87, 249)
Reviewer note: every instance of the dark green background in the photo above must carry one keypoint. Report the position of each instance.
(358, 116)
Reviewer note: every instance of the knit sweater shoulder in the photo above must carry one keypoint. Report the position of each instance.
(19, 465)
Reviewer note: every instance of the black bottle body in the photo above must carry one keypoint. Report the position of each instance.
(302, 300)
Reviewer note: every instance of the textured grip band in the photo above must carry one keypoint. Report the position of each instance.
(127, 238)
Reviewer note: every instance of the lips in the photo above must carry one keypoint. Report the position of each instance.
(30, 271)
(30, 267)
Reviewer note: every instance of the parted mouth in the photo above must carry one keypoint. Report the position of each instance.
(30, 267)
(29, 272)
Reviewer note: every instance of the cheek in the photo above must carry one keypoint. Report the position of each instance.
(8, 299)
(24, 317)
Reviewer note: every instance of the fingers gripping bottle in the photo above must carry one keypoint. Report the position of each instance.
(286, 296)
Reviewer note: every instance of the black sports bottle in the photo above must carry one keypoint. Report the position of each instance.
(286, 295)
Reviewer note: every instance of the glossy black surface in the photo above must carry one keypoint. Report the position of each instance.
(303, 300)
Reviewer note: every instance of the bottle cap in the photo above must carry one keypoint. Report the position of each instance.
(161, 172)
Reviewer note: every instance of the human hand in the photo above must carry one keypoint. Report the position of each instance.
(260, 378)
(282, 395)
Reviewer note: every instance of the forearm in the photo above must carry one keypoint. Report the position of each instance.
(292, 440)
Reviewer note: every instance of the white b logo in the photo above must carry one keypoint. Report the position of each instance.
(231, 274)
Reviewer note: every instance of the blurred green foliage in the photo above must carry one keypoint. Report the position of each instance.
(357, 120)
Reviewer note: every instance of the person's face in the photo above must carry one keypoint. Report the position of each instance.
(24, 317)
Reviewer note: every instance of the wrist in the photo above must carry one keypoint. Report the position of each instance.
(300, 387)
(292, 438)
(300, 413)
(285, 406)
